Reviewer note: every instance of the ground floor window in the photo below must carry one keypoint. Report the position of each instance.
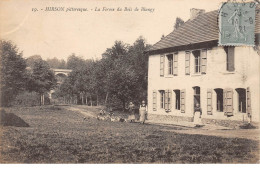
(241, 93)
(162, 98)
(219, 95)
(177, 99)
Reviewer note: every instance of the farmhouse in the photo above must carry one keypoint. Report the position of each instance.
(188, 67)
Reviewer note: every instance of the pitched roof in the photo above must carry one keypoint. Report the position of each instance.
(203, 28)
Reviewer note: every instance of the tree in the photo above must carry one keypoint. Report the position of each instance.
(42, 79)
(13, 75)
(119, 49)
(127, 71)
(75, 62)
(178, 22)
(32, 59)
(56, 63)
(139, 62)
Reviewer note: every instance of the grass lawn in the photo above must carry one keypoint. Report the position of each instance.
(56, 135)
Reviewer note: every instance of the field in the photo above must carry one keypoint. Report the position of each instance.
(58, 135)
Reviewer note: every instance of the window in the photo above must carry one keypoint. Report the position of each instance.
(241, 100)
(219, 95)
(175, 64)
(162, 93)
(230, 65)
(170, 64)
(197, 59)
(177, 99)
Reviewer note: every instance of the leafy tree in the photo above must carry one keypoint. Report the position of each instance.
(120, 76)
(42, 79)
(74, 62)
(139, 62)
(12, 72)
(56, 63)
(119, 49)
(32, 59)
(178, 22)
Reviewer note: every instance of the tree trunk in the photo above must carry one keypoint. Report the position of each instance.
(43, 99)
(86, 99)
(82, 99)
(123, 101)
(91, 101)
(97, 100)
(106, 98)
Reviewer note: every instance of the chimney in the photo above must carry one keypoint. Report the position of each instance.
(194, 12)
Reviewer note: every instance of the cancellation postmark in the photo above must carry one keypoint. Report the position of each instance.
(237, 24)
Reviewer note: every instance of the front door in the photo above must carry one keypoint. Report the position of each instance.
(196, 96)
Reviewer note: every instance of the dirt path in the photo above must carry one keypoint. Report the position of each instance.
(252, 134)
(87, 114)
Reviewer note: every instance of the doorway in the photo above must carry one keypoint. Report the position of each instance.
(196, 97)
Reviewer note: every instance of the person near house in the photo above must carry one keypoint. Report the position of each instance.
(131, 116)
(197, 115)
(143, 112)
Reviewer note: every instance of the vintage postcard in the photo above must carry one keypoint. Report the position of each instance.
(129, 82)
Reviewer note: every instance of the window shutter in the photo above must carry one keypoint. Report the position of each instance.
(175, 64)
(203, 61)
(187, 63)
(162, 65)
(169, 100)
(183, 101)
(228, 102)
(248, 98)
(166, 106)
(209, 102)
(154, 100)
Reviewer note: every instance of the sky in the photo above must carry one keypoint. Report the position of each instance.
(88, 34)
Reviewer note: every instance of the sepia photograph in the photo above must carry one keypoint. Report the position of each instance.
(129, 82)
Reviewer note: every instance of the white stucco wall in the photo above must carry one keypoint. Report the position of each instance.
(246, 74)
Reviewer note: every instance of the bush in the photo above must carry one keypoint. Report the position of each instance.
(29, 99)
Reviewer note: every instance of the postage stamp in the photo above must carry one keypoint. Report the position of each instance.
(237, 24)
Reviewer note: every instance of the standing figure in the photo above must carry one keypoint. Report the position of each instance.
(131, 108)
(197, 115)
(143, 112)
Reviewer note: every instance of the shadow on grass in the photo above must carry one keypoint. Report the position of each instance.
(10, 119)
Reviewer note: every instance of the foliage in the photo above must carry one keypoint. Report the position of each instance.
(26, 98)
(75, 62)
(56, 63)
(32, 59)
(178, 22)
(121, 75)
(41, 78)
(13, 75)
